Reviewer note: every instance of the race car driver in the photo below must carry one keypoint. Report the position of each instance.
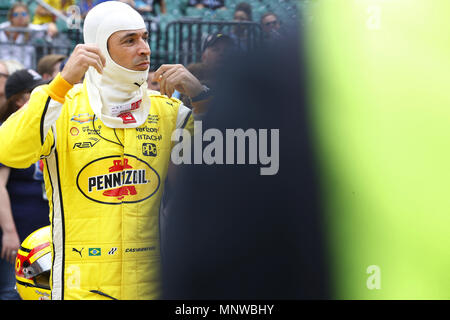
(106, 146)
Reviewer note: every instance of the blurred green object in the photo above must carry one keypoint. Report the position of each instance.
(381, 113)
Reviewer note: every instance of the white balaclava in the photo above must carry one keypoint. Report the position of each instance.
(118, 96)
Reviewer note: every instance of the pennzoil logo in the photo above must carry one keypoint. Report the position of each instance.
(82, 118)
(115, 180)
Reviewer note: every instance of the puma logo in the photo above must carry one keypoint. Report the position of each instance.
(73, 249)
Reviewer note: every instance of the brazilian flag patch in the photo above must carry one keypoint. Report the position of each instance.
(94, 252)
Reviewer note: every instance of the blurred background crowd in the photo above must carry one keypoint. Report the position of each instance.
(31, 29)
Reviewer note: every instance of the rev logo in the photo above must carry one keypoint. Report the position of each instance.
(86, 144)
(149, 149)
(115, 180)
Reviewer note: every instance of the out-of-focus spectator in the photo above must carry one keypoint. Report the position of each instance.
(18, 44)
(148, 6)
(23, 208)
(270, 25)
(129, 2)
(13, 65)
(209, 4)
(203, 73)
(3, 77)
(243, 12)
(85, 6)
(42, 15)
(17, 90)
(242, 236)
(239, 33)
(7, 67)
(49, 65)
(140, 5)
(152, 85)
(215, 48)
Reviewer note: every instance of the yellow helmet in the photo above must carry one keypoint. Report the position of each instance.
(33, 265)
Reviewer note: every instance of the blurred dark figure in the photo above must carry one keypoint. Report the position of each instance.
(232, 233)
(152, 85)
(49, 66)
(215, 48)
(23, 204)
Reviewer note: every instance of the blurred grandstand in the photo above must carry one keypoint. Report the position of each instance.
(177, 35)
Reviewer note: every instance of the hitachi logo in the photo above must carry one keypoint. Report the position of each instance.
(116, 180)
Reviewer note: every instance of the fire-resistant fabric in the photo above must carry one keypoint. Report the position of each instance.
(104, 188)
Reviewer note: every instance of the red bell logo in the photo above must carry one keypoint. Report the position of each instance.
(121, 192)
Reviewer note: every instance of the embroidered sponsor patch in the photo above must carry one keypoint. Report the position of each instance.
(74, 131)
(117, 110)
(115, 180)
(149, 149)
(127, 117)
(82, 118)
(95, 252)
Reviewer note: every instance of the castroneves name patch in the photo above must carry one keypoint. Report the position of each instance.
(140, 249)
(115, 180)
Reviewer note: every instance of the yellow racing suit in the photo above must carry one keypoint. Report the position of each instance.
(104, 188)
